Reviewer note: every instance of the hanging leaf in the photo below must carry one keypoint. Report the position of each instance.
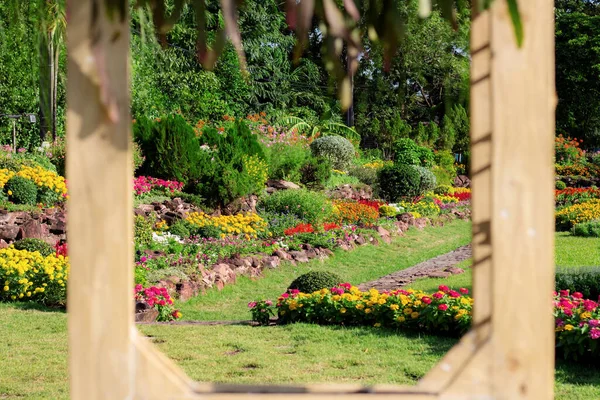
(515, 16)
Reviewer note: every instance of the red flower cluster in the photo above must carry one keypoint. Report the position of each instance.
(308, 228)
(461, 196)
(158, 298)
(372, 203)
(61, 248)
(144, 184)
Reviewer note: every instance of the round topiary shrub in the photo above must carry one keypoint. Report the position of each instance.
(428, 180)
(560, 185)
(32, 244)
(315, 280)
(398, 181)
(338, 150)
(21, 190)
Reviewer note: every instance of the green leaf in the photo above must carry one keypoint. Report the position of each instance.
(515, 16)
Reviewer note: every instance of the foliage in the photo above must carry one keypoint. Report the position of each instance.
(336, 180)
(147, 184)
(313, 281)
(569, 216)
(366, 175)
(560, 185)
(388, 211)
(311, 207)
(32, 244)
(399, 181)
(278, 223)
(425, 208)
(159, 299)
(315, 172)
(261, 311)
(585, 280)
(285, 162)
(138, 157)
(445, 311)
(567, 151)
(428, 181)
(410, 153)
(26, 275)
(180, 228)
(325, 127)
(571, 196)
(256, 169)
(21, 190)
(587, 229)
(338, 150)
(577, 323)
(57, 153)
(349, 212)
(142, 231)
(442, 189)
(248, 225)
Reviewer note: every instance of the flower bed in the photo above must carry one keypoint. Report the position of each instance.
(577, 323)
(146, 184)
(349, 212)
(570, 196)
(248, 225)
(159, 299)
(567, 217)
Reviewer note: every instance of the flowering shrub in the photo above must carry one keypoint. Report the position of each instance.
(567, 150)
(444, 311)
(51, 186)
(577, 323)
(372, 203)
(570, 196)
(441, 199)
(145, 184)
(157, 298)
(308, 228)
(572, 170)
(61, 248)
(377, 164)
(248, 225)
(261, 311)
(422, 207)
(348, 212)
(577, 213)
(257, 169)
(461, 194)
(389, 210)
(270, 136)
(26, 275)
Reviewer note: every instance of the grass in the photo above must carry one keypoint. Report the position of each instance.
(360, 265)
(33, 340)
(574, 251)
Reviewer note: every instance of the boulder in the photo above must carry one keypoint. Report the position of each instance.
(312, 253)
(186, 290)
(462, 181)
(401, 226)
(281, 184)
(282, 254)
(271, 262)
(351, 192)
(454, 270)
(326, 252)
(299, 256)
(407, 218)
(421, 223)
(360, 240)
(224, 273)
(9, 232)
(33, 229)
(147, 316)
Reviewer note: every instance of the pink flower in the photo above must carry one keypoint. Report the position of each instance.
(443, 307)
(464, 290)
(252, 304)
(454, 293)
(143, 259)
(426, 300)
(443, 288)
(564, 293)
(438, 295)
(285, 295)
(595, 334)
(594, 323)
(269, 302)
(577, 295)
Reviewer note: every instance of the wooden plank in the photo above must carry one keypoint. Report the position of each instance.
(522, 216)
(99, 172)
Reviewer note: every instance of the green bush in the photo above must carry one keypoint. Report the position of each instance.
(426, 157)
(180, 228)
(442, 189)
(560, 185)
(315, 172)
(171, 148)
(587, 229)
(21, 190)
(279, 222)
(407, 152)
(366, 175)
(337, 180)
(138, 157)
(315, 280)
(428, 180)
(310, 207)
(398, 181)
(32, 244)
(285, 161)
(585, 280)
(338, 150)
(143, 228)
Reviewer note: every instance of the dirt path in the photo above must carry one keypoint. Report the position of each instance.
(437, 267)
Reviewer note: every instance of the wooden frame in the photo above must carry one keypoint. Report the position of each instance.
(509, 353)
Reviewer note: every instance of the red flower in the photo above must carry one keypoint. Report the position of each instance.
(577, 295)
(426, 300)
(464, 290)
(454, 293)
(443, 307)
(438, 295)
(443, 288)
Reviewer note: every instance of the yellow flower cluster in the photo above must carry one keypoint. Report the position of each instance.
(421, 208)
(444, 198)
(456, 190)
(256, 169)
(249, 225)
(337, 171)
(161, 226)
(578, 213)
(26, 275)
(40, 176)
(377, 164)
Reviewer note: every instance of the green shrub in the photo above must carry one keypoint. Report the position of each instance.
(587, 229)
(398, 181)
(366, 175)
(442, 189)
(338, 150)
(279, 222)
(425, 155)
(428, 180)
(171, 148)
(21, 190)
(407, 152)
(310, 207)
(143, 231)
(315, 172)
(180, 228)
(324, 240)
(32, 244)
(138, 157)
(140, 276)
(337, 180)
(315, 280)
(560, 185)
(585, 280)
(285, 161)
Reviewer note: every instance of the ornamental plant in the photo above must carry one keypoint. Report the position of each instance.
(33, 244)
(308, 228)
(349, 212)
(313, 281)
(21, 190)
(249, 225)
(310, 207)
(159, 299)
(261, 311)
(399, 181)
(338, 150)
(570, 196)
(26, 275)
(587, 229)
(577, 322)
(567, 151)
(569, 216)
(146, 184)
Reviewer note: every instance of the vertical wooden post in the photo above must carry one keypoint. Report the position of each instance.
(99, 173)
(513, 103)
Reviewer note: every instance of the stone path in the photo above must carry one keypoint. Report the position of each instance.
(437, 267)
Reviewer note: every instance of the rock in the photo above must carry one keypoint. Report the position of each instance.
(438, 274)
(384, 234)
(454, 270)
(281, 184)
(326, 252)
(224, 273)
(186, 290)
(311, 253)
(3, 244)
(174, 279)
(346, 246)
(350, 192)
(360, 240)
(255, 261)
(148, 315)
(374, 241)
(462, 181)
(271, 262)
(9, 232)
(299, 256)
(33, 229)
(242, 270)
(421, 223)
(255, 272)
(407, 218)
(282, 254)
(241, 262)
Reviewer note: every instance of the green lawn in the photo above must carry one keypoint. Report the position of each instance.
(33, 342)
